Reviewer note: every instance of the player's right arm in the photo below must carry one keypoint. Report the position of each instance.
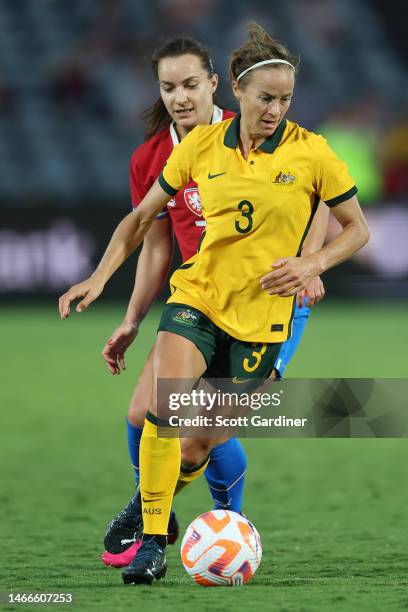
(314, 241)
(151, 272)
(125, 239)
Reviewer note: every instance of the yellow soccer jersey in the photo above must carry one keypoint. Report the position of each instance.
(257, 210)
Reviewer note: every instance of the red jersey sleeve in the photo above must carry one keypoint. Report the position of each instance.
(138, 187)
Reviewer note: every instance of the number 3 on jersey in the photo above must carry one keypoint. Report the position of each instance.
(245, 223)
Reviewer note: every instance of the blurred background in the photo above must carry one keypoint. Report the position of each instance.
(75, 78)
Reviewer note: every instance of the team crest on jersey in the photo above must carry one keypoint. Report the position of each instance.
(284, 178)
(185, 316)
(192, 199)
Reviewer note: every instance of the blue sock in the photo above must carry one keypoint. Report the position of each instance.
(134, 434)
(289, 347)
(225, 475)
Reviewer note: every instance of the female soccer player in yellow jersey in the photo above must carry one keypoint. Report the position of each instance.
(260, 178)
(187, 82)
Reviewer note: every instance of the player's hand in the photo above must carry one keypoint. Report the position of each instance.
(89, 289)
(290, 275)
(313, 293)
(113, 353)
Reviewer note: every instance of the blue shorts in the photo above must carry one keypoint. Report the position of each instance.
(289, 347)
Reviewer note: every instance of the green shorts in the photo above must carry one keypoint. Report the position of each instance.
(225, 356)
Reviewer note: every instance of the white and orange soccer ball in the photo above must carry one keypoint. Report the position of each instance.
(221, 548)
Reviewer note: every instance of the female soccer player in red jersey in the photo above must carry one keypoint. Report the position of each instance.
(253, 138)
(187, 83)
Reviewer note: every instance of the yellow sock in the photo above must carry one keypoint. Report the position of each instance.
(188, 475)
(159, 470)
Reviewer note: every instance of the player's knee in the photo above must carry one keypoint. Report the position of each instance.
(194, 452)
(137, 411)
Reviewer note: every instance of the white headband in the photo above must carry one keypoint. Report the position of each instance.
(271, 61)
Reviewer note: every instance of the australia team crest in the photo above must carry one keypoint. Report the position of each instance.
(284, 178)
(186, 317)
(192, 200)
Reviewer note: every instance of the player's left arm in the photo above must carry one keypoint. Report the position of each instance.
(314, 291)
(292, 274)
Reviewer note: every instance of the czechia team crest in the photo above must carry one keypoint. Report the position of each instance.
(192, 200)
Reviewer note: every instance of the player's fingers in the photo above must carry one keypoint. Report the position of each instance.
(287, 290)
(65, 300)
(61, 308)
(300, 299)
(117, 366)
(274, 274)
(64, 304)
(108, 354)
(311, 298)
(83, 304)
(111, 357)
(112, 365)
(317, 293)
(321, 293)
(318, 297)
(271, 277)
(110, 361)
(288, 293)
(276, 287)
(112, 368)
(116, 346)
(121, 361)
(279, 262)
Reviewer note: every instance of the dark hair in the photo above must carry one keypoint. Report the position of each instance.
(157, 118)
(258, 47)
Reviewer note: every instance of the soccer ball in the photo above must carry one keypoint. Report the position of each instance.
(221, 548)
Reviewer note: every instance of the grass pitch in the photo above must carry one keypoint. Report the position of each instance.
(331, 513)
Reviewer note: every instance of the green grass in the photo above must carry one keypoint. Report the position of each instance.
(331, 513)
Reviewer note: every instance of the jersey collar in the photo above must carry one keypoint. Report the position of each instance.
(269, 145)
(216, 118)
